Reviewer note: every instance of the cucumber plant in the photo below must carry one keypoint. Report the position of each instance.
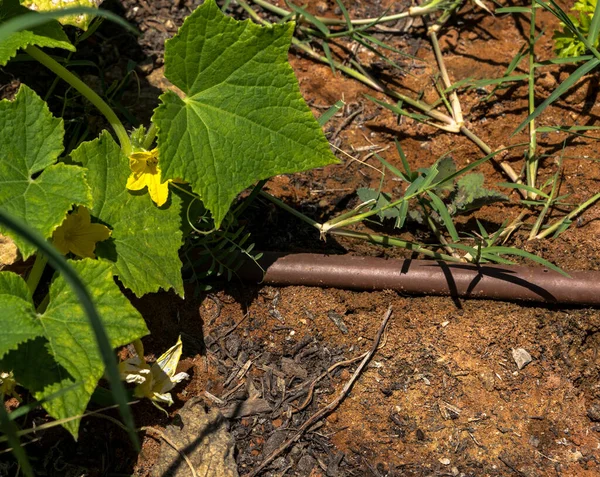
(119, 209)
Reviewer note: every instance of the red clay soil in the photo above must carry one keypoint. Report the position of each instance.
(443, 395)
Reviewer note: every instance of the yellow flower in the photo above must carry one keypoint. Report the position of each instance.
(145, 172)
(153, 382)
(78, 235)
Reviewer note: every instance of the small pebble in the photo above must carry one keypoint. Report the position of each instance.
(445, 461)
(521, 357)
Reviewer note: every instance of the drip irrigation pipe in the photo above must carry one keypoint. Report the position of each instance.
(425, 277)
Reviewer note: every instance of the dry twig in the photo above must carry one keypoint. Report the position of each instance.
(162, 435)
(331, 406)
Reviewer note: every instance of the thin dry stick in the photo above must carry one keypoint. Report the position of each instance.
(345, 123)
(162, 435)
(331, 406)
(314, 382)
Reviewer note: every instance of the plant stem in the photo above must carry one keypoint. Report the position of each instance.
(570, 216)
(291, 210)
(36, 272)
(532, 161)
(456, 109)
(86, 91)
(411, 12)
(349, 71)
(377, 239)
(538, 223)
(150, 136)
(385, 240)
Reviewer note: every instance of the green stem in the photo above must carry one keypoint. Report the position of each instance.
(150, 136)
(377, 239)
(570, 216)
(36, 272)
(385, 240)
(538, 223)
(86, 91)
(291, 210)
(43, 304)
(349, 71)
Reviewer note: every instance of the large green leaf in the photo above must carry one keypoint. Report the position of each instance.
(50, 34)
(31, 141)
(145, 239)
(67, 355)
(243, 118)
(82, 21)
(20, 322)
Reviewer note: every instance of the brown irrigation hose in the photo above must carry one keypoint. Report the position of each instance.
(423, 277)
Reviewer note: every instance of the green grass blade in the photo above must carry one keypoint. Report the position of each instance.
(564, 61)
(311, 18)
(327, 115)
(66, 270)
(411, 175)
(402, 213)
(513, 185)
(328, 55)
(513, 10)
(439, 206)
(482, 231)
(498, 250)
(346, 15)
(394, 170)
(558, 92)
(9, 429)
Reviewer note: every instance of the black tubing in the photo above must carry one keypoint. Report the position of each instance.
(424, 277)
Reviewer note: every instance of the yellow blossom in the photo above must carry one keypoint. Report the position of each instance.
(146, 172)
(78, 235)
(153, 382)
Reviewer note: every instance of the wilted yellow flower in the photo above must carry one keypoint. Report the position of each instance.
(8, 385)
(153, 382)
(78, 235)
(146, 173)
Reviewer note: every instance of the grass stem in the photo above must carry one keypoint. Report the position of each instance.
(411, 12)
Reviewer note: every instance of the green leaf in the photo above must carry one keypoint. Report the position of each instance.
(16, 305)
(68, 353)
(470, 194)
(31, 143)
(49, 34)
(82, 21)
(446, 168)
(438, 205)
(243, 118)
(145, 239)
